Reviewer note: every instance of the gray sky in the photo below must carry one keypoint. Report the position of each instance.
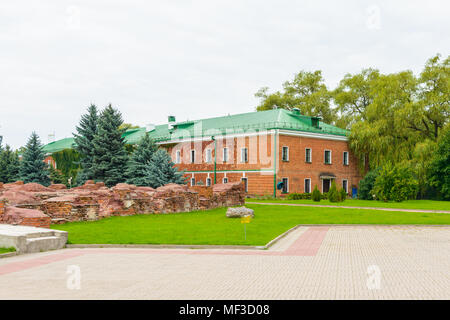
(192, 59)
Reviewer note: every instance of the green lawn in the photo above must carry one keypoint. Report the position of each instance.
(212, 227)
(6, 250)
(410, 204)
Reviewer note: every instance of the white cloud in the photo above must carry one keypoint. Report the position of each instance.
(193, 59)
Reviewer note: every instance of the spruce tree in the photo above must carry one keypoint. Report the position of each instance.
(110, 157)
(9, 165)
(86, 131)
(140, 161)
(162, 171)
(32, 167)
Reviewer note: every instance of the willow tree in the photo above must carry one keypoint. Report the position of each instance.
(307, 91)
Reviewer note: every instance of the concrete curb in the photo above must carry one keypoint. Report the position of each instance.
(348, 207)
(9, 254)
(164, 246)
(281, 236)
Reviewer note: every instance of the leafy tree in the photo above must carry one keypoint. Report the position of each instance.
(353, 96)
(127, 126)
(140, 161)
(32, 167)
(163, 171)
(109, 155)
(420, 164)
(395, 183)
(9, 165)
(342, 195)
(439, 176)
(307, 91)
(84, 143)
(366, 185)
(316, 196)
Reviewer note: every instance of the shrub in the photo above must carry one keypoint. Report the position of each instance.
(366, 185)
(333, 194)
(316, 196)
(343, 194)
(299, 196)
(395, 183)
(324, 196)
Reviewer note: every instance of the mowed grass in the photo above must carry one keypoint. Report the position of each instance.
(410, 204)
(6, 250)
(212, 227)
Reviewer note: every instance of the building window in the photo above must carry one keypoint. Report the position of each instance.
(345, 185)
(192, 156)
(208, 182)
(178, 156)
(208, 155)
(327, 155)
(244, 155)
(225, 154)
(307, 185)
(285, 185)
(308, 155)
(245, 180)
(345, 158)
(225, 180)
(192, 182)
(285, 154)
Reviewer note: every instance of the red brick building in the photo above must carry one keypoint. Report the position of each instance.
(262, 149)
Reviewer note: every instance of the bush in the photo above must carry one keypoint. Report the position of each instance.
(343, 194)
(299, 196)
(316, 196)
(324, 196)
(366, 185)
(333, 194)
(395, 183)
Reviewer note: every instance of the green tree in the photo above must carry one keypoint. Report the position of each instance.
(32, 167)
(9, 165)
(366, 185)
(307, 91)
(420, 164)
(353, 95)
(162, 170)
(395, 183)
(333, 194)
(110, 157)
(56, 176)
(439, 175)
(140, 161)
(127, 126)
(84, 143)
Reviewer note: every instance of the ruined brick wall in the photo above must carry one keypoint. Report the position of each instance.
(33, 204)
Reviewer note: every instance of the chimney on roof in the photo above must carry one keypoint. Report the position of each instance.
(171, 120)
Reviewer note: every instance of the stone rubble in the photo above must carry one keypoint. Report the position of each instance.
(240, 212)
(32, 204)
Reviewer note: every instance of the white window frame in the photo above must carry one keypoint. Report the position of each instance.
(287, 184)
(192, 180)
(225, 154)
(210, 182)
(304, 185)
(310, 155)
(225, 178)
(208, 156)
(178, 157)
(245, 184)
(287, 153)
(325, 158)
(242, 155)
(346, 187)
(343, 160)
(192, 155)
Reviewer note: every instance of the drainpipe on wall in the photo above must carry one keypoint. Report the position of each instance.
(275, 164)
(215, 157)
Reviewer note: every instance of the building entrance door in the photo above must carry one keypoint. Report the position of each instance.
(326, 184)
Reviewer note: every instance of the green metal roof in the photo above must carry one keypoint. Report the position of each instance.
(231, 124)
(131, 136)
(245, 122)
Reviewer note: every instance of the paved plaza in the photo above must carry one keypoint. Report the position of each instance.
(312, 262)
